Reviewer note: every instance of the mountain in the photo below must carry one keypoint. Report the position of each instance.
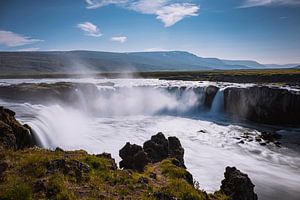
(247, 63)
(93, 61)
(297, 67)
(281, 66)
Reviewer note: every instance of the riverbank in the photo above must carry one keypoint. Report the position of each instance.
(280, 76)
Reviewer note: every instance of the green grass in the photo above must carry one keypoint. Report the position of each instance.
(103, 181)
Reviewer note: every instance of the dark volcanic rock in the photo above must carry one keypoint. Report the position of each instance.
(154, 150)
(237, 185)
(156, 147)
(12, 134)
(133, 157)
(175, 149)
(263, 105)
(210, 94)
(159, 148)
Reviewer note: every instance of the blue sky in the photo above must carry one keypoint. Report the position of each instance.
(264, 30)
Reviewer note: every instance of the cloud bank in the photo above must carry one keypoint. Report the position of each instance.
(254, 3)
(11, 39)
(168, 11)
(90, 29)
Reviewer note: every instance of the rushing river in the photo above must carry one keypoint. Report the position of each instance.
(134, 109)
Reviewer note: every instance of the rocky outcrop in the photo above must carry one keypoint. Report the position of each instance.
(237, 185)
(43, 92)
(133, 157)
(154, 150)
(210, 94)
(263, 105)
(13, 134)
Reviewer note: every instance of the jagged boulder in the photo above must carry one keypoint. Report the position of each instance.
(237, 185)
(13, 134)
(133, 157)
(154, 150)
(159, 148)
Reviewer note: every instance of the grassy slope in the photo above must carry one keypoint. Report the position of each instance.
(28, 167)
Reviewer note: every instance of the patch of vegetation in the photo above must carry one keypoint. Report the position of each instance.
(43, 174)
(170, 170)
(19, 191)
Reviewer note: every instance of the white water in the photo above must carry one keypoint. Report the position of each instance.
(133, 110)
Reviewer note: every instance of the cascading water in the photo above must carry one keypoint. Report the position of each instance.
(133, 110)
(218, 103)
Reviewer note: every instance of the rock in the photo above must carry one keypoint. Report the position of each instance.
(163, 196)
(104, 155)
(156, 147)
(3, 167)
(72, 167)
(154, 150)
(210, 94)
(39, 186)
(159, 148)
(112, 160)
(58, 149)
(270, 137)
(189, 178)
(133, 157)
(175, 150)
(153, 175)
(237, 185)
(263, 104)
(12, 134)
(7, 137)
(143, 180)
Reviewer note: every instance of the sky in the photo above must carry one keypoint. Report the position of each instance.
(267, 31)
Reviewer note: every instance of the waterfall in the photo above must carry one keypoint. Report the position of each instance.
(218, 102)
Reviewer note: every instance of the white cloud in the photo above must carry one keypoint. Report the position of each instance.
(29, 49)
(90, 29)
(168, 11)
(11, 39)
(254, 3)
(173, 13)
(91, 4)
(120, 39)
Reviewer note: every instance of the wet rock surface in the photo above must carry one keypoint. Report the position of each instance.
(263, 104)
(238, 185)
(262, 138)
(14, 135)
(210, 94)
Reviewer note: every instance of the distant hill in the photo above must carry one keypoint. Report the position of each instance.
(281, 66)
(297, 67)
(88, 61)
